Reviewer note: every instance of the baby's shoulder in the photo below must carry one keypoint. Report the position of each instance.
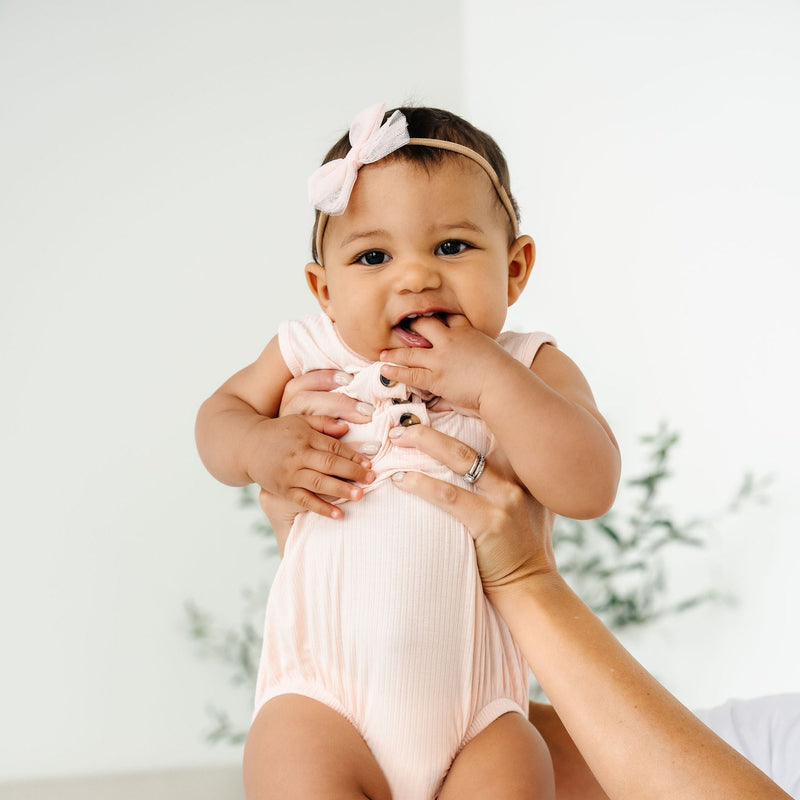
(524, 346)
(314, 343)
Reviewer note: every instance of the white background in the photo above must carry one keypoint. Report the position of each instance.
(153, 158)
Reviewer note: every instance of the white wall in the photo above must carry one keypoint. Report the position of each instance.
(153, 159)
(653, 147)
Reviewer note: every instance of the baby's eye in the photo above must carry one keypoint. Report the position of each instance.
(373, 258)
(452, 247)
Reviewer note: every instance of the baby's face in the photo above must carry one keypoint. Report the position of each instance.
(413, 242)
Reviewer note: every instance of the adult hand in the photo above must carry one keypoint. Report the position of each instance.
(512, 531)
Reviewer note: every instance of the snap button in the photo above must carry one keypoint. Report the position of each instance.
(399, 400)
(406, 420)
(387, 382)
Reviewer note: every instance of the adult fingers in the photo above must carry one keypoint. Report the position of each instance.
(318, 380)
(312, 393)
(451, 452)
(469, 508)
(331, 404)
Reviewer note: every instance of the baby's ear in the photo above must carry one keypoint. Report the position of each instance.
(318, 283)
(521, 256)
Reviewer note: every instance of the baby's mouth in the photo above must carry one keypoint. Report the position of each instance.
(409, 336)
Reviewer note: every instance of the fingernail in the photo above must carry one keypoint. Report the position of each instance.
(369, 448)
(397, 477)
(396, 433)
(369, 477)
(342, 378)
(365, 408)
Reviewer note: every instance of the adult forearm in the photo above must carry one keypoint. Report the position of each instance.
(637, 739)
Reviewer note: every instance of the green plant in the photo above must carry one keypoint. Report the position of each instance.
(616, 563)
(236, 649)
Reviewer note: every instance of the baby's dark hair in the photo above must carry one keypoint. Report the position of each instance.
(433, 123)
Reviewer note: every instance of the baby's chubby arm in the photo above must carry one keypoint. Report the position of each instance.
(545, 418)
(241, 440)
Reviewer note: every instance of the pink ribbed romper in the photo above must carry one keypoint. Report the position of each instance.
(381, 615)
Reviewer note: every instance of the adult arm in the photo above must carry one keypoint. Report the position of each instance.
(636, 738)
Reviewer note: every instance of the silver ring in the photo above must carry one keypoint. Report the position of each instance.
(476, 470)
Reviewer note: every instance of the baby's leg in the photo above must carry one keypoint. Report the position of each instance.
(300, 748)
(507, 759)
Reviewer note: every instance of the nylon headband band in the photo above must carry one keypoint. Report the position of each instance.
(442, 144)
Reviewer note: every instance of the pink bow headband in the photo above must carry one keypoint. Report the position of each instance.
(330, 186)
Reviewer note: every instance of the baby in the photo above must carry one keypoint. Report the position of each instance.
(386, 672)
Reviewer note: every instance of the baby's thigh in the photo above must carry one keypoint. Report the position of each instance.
(300, 748)
(507, 759)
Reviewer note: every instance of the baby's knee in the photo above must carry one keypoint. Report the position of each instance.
(508, 759)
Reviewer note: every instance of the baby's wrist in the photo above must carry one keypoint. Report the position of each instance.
(502, 379)
(490, 392)
(253, 445)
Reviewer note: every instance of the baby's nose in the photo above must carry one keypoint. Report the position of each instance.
(416, 275)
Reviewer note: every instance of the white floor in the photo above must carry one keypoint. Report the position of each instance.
(218, 783)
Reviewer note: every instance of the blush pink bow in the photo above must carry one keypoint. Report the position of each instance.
(330, 186)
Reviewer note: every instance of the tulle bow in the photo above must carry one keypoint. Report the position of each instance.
(330, 186)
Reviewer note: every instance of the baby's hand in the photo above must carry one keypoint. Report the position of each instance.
(458, 366)
(296, 458)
